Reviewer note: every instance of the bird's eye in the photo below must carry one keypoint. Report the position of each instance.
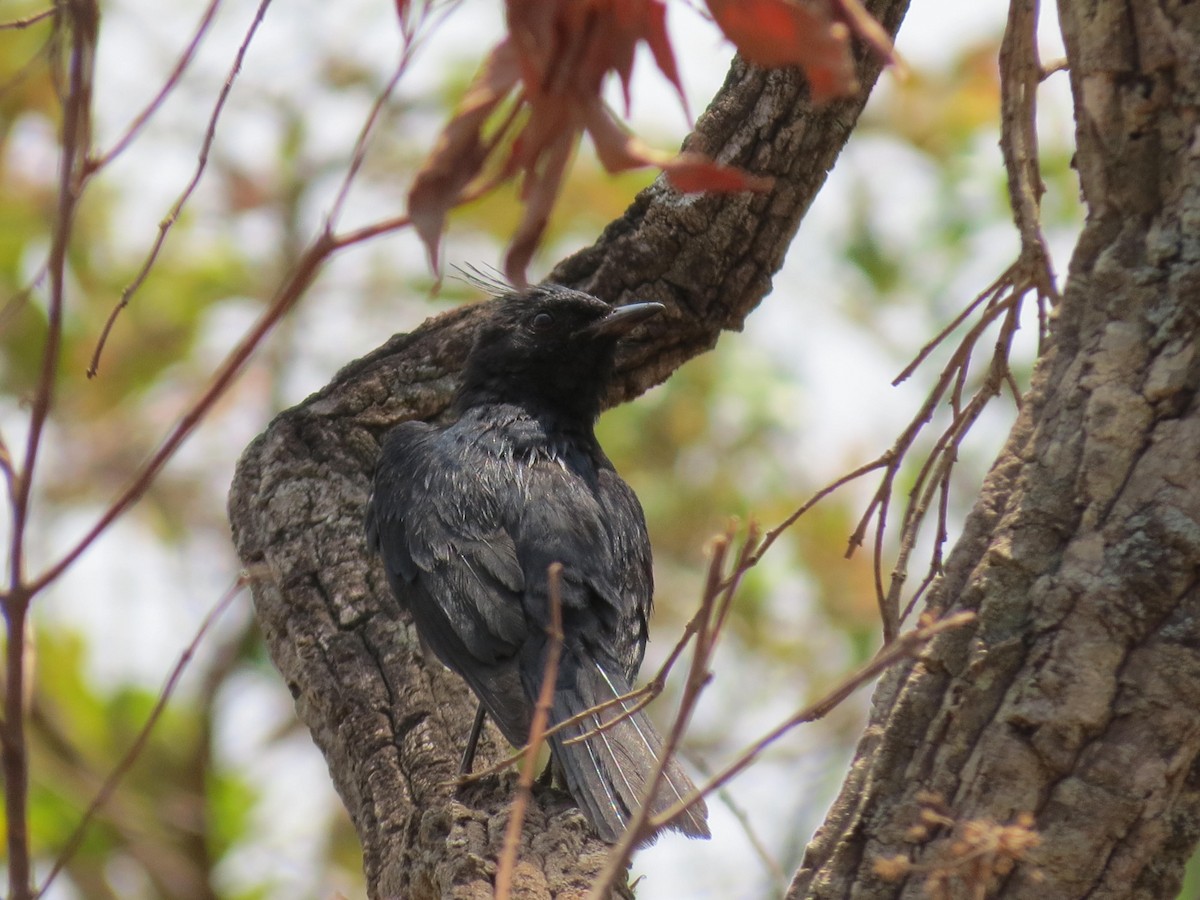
(543, 321)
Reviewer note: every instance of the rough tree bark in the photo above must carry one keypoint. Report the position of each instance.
(391, 727)
(1074, 696)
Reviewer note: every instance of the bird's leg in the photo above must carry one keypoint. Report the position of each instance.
(468, 757)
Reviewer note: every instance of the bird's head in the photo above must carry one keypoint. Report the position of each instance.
(549, 346)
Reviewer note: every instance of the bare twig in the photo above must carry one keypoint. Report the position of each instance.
(999, 301)
(301, 276)
(79, 22)
(770, 863)
(18, 24)
(297, 280)
(386, 226)
(774, 534)
(714, 610)
(934, 475)
(537, 736)
(1020, 74)
(941, 336)
(412, 34)
(7, 468)
(1057, 65)
(641, 696)
(168, 86)
(359, 153)
(1032, 271)
(903, 647)
(172, 217)
(79, 19)
(20, 298)
(412, 37)
(143, 735)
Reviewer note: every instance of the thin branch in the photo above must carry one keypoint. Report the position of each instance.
(1020, 75)
(537, 736)
(168, 86)
(469, 194)
(359, 153)
(7, 469)
(302, 274)
(937, 340)
(20, 298)
(934, 476)
(715, 604)
(135, 749)
(165, 225)
(775, 533)
(1000, 298)
(412, 35)
(642, 696)
(385, 226)
(81, 23)
(19, 24)
(906, 645)
(757, 844)
(1058, 65)
(79, 20)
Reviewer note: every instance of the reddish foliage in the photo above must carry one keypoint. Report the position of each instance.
(791, 33)
(460, 151)
(689, 172)
(694, 172)
(547, 76)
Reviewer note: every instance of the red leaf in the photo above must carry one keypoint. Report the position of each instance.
(459, 154)
(694, 172)
(556, 57)
(689, 172)
(804, 33)
(548, 118)
(616, 148)
(567, 46)
(654, 31)
(539, 190)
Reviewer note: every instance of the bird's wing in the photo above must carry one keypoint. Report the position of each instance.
(438, 526)
(583, 516)
(631, 545)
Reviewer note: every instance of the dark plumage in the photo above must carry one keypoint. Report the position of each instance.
(469, 515)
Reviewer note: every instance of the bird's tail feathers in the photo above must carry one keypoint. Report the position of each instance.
(608, 772)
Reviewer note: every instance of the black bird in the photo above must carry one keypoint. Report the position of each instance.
(468, 516)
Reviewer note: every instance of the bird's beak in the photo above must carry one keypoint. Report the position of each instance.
(623, 318)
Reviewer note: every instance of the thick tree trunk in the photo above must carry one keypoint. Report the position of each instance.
(1075, 697)
(390, 725)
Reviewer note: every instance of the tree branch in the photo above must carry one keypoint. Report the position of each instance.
(391, 726)
(1069, 708)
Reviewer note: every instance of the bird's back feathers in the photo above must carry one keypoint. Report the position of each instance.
(469, 516)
